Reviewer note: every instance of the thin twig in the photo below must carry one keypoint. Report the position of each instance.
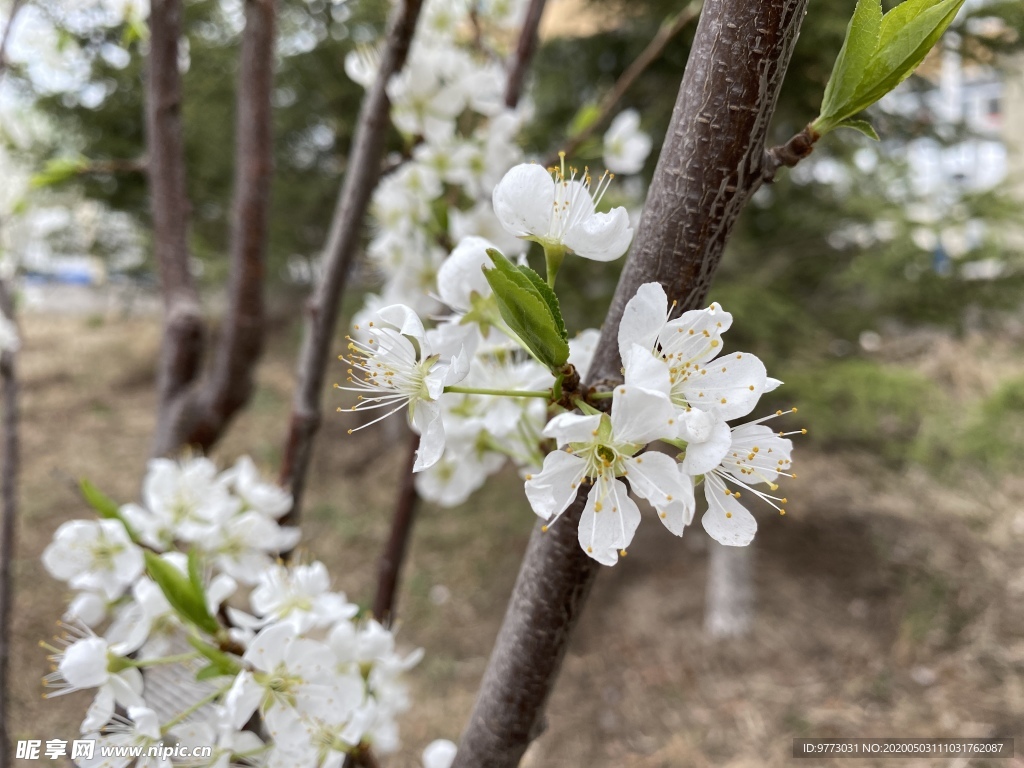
(789, 154)
(710, 166)
(393, 556)
(12, 14)
(650, 54)
(9, 495)
(361, 177)
(523, 55)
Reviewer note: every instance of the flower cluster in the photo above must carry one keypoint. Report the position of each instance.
(186, 624)
(487, 384)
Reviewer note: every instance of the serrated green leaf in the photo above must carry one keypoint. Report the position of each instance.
(510, 271)
(178, 589)
(862, 36)
(529, 318)
(863, 126)
(549, 297)
(906, 34)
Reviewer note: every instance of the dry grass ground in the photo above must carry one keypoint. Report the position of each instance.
(889, 604)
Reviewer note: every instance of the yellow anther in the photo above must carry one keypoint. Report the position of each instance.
(782, 511)
(728, 514)
(803, 431)
(543, 529)
(590, 550)
(714, 342)
(622, 552)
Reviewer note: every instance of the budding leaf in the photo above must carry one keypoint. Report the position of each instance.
(860, 125)
(901, 39)
(103, 505)
(530, 311)
(181, 593)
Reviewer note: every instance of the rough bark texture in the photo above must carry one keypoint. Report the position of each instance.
(361, 176)
(729, 599)
(710, 165)
(195, 411)
(198, 414)
(181, 349)
(9, 506)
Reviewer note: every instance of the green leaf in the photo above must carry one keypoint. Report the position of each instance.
(210, 671)
(58, 171)
(862, 36)
(908, 32)
(104, 506)
(526, 312)
(584, 118)
(195, 573)
(99, 501)
(547, 293)
(180, 593)
(905, 35)
(223, 663)
(860, 125)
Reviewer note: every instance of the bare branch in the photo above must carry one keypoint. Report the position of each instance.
(9, 499)
(182, 344)
(361, 176)
(524, 53)
(789, 154)
(710, 165)
(203, 411)
(11, 16)
(393, 556)
(650, 54)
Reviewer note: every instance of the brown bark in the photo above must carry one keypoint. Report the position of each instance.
(710, 165)
(390, 565)
(181, 348)
(200, 409)
(361, 177)
(523, 54)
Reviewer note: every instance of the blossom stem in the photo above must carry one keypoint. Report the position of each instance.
(601, 395)
(553, 256)
(545, 393)
(181, 716)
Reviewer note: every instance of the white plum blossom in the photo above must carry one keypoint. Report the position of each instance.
(461, 275)
(390, 371)
(602, 449)
(299, 596)
(626, 147)
(560, 212)
(82, 661)
(689, 346)
(140, 729)
(266, 498)
(755, 455)
(440, 753)
(94, 555)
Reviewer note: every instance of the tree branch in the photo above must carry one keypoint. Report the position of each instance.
(361, 176)
(182, 344)
(650, 54)
(202, 412)
(524, 53)
(9, 499)
(393, 556)
(710, 165)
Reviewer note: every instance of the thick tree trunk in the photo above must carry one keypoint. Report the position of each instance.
(712, 161)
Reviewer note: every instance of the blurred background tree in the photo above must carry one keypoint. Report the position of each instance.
(849, 247)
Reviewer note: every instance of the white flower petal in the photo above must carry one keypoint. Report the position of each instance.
(657, 478)
(439, 754)
(641, 415)
(572, 428)
(524, 201)
(553, 489)
(708, 440)
(426, 421)
(609, 521)
(727, 521)
(642, 319)
(732, 385)
(602, 236)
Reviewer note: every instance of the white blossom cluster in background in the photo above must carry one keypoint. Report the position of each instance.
(185, 624)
